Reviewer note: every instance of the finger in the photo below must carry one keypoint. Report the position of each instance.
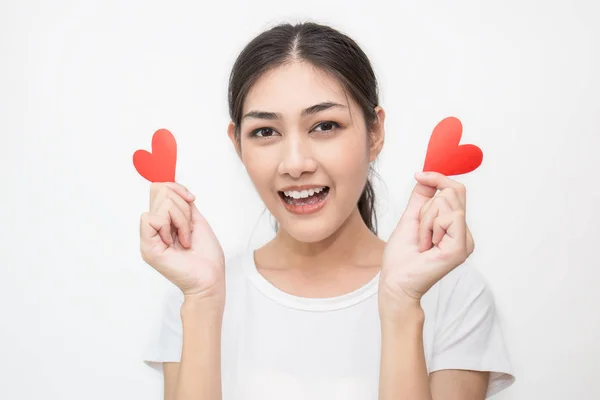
(160, 190)
(164, 230)
(419, 196)
(452, 197)
(449, 194)
(451, 251)
(183, 205)
(425, 208)
(438, 231)
(168, 209)
(158, 194)
(427, 227)
(172, 198)
(441, 182)
(185, 233)
(455, 228)
(454, 203)
(181, 190)
(149, 227)
(178, 219)
(150, 224)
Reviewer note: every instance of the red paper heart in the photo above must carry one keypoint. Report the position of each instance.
(158, 166)
(445, 155)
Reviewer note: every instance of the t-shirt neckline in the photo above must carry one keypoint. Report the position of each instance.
(306, 303)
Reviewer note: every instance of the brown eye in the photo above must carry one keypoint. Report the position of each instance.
(264, 132)
(327, 126)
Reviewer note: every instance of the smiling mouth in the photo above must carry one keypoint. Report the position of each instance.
(314, 199)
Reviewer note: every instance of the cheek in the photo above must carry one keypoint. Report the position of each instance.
(260, 168)
(351, 177)
(349, 160)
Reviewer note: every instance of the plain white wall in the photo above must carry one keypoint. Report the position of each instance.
(84, 84)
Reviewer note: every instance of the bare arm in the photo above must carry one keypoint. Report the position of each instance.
(170, 373)
(404, 372)
(454, 384)
(198, 374)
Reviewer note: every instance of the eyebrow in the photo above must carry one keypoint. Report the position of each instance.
(307, 111)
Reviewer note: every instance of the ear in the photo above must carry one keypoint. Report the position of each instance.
(377, 134)
(231, 134)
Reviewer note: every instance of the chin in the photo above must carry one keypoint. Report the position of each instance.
(310, 231)
(308, 235)
(309, 227)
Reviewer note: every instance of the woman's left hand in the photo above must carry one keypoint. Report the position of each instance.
(430, 240)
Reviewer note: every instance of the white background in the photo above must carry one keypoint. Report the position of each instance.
(85, 84)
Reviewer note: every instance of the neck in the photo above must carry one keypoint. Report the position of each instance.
(352, 244)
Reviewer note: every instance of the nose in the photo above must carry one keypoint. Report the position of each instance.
(297, 157)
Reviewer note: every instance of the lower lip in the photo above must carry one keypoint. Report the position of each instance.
(306, 209)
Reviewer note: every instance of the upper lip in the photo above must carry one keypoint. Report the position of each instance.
(301, 187)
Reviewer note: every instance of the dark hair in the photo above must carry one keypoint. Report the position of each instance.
(327, 49)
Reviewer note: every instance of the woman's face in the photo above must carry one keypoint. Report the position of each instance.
(299, 128)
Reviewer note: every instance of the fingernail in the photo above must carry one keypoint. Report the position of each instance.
(191, 195)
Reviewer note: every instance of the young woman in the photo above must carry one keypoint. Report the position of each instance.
(326, 309)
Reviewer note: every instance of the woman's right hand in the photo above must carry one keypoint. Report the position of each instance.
(178, 242)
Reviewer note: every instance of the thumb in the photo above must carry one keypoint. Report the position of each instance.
(420, 195)
(407, 230)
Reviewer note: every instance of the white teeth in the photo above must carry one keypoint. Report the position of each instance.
(303, 194)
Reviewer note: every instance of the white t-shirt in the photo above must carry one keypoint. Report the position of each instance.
(279, 346)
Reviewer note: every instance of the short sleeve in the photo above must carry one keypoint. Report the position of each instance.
(166, 338)
(468, 334)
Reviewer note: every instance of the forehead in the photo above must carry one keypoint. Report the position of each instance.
(294, 86)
